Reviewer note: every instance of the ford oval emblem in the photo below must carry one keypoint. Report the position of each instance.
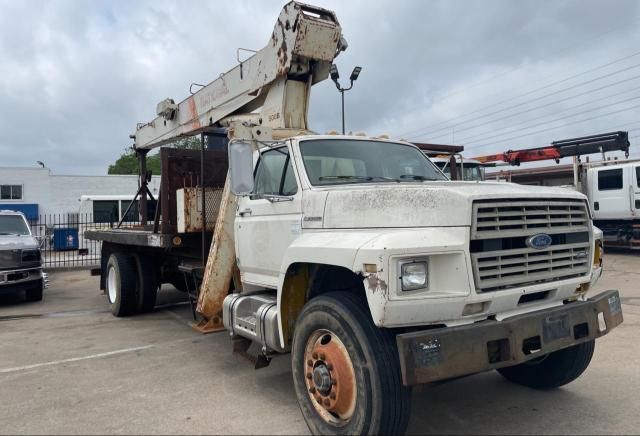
(539, 241)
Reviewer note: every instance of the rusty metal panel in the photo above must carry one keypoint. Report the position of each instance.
(189, 208)
(220, 265)
(439, 354)
(181, 169)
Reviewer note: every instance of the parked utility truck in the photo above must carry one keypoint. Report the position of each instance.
(359, 259)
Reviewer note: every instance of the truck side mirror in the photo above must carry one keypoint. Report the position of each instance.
(241, 167)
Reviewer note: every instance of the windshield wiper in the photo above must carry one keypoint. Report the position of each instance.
(416, 177)
(9, 234)
(345, 178)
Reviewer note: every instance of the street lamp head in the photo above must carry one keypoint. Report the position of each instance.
(334, 73)
(355, 73)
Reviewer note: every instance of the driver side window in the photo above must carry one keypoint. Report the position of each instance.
(274, 174)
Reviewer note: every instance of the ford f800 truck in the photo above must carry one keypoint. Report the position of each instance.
(355, 255)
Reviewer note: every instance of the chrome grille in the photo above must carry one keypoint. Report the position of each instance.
(495, 219)
(500, 256)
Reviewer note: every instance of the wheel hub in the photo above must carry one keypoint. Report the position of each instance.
(322, 379)
(330, 377)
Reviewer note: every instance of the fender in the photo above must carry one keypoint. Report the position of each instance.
(336, 248)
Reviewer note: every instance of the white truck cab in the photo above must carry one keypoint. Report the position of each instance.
(470, 170)
(614, 190)
(464, 277)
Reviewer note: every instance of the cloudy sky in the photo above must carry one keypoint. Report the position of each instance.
(76, 76)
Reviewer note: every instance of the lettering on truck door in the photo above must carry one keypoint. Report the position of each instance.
(269, 219)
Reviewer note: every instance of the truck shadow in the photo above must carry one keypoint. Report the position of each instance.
(488, 404)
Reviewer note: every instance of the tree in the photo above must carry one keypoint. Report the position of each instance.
(127, 163)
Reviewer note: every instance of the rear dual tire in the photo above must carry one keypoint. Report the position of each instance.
(131, 284)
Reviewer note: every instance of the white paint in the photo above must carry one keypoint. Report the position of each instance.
(60, 194)
(614, 203)
(73, 359)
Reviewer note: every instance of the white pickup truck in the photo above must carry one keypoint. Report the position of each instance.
(376, 273)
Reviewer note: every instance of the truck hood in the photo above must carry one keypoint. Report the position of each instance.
(426, 204)
(13, 242)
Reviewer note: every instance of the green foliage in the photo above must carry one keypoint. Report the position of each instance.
(127, 163)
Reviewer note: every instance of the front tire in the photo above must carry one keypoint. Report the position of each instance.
(121, 284)
(35, 293)
(346, 371)
(552, 370)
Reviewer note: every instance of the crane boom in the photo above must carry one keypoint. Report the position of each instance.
(304, 42)
(614, 141)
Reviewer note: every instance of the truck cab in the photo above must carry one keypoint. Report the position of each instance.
(467, 169)
(20, 258)
(614, 193)
(463, 277)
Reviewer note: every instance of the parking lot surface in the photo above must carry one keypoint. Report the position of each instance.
(68, 366)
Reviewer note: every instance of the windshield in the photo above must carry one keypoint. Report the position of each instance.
(339, 161)
(13, 225)
(472, 172)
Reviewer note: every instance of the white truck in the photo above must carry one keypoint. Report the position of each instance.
(358, 257)
(613, 189)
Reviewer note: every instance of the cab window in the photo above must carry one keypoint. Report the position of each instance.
(274, 174)
(609, 180)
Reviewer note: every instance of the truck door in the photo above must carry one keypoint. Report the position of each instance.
(635, 182)
(269, 219)
(613, 193)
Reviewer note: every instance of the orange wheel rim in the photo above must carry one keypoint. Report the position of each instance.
(330, 378)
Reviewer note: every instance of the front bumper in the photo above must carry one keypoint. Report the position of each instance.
(438, 354)
(20, 279)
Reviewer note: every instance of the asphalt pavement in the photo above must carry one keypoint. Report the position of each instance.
(68, 366)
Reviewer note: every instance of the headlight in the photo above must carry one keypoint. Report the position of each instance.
(414, 275)
(30, 255)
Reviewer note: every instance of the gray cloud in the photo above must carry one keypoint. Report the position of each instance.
(75, 77)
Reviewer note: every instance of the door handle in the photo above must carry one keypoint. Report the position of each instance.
(247, 211)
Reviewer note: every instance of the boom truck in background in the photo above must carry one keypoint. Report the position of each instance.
(612, 187)
(354, 254)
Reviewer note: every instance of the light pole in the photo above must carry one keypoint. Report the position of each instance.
(335, 76)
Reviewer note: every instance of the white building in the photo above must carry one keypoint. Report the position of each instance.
(36, 191)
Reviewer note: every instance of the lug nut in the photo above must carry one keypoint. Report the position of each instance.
(310, 362)
(332, 395)
(330, 367)
(327, 402)
(314, 355)
(309, 376)
(334, 382)
(312, 390)
(322, 356)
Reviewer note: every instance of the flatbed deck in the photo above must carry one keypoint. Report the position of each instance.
(138, 237)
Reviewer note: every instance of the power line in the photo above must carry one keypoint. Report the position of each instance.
(613, 73)
(559, 119)
(556, 127)
(575, 44)
(513, 128)
(412, 134)
(461, 140)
